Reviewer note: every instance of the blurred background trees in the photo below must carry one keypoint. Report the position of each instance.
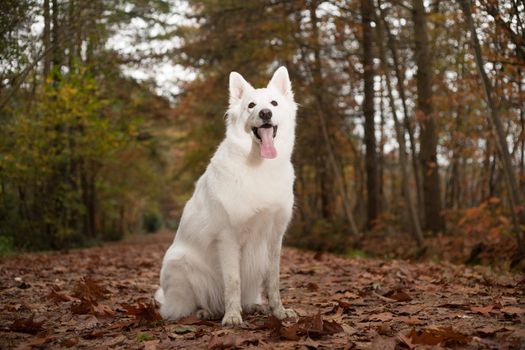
(395, 130)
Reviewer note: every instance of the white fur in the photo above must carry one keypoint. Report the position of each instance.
(227, 248)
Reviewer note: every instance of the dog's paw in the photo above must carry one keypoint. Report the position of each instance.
(203, 314)
(282, 313)
(257, 308)
(232, 319)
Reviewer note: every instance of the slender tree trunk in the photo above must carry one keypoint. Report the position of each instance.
(381, 150)
(407, 121)
(372, 181)
(428, 138)
(319, 102)
(455, 185)
(400, 136)
(514, 194)
(46, 38)
(56, 51)
(522, 132)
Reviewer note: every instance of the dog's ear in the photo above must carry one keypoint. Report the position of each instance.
(281, 82)
(238, 87)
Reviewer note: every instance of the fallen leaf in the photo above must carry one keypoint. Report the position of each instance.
(144, 312)
(397, 295)
(151, 344)
(344, 305)
(27, 325)
(84, 307)
(311, 326)
(383, 343)
(59, 297)
(194, 320)
(412, 321)
(409, 309)
(512, 310)
(290, 332)
(231, 341)
(89, 289)
(312, 287)
(70, 342)
(309, 343)
(444, 335)
(39, 340)
(489, 331)
(483, 310)
(348, 330)
(382, 317)
(183, 329)
(103, 310)
(332, 327)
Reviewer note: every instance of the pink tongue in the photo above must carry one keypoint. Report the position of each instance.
(267, 148)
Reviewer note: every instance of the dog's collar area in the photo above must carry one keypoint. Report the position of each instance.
(264, 126)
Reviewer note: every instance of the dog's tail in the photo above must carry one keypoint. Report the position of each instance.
(159, 296)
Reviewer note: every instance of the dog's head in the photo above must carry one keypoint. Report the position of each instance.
(263, 118)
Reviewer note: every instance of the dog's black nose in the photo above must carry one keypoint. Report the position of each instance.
(265, 114)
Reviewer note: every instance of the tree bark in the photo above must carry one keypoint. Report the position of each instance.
(372, 180)
(400, 136)
(514, 194)
(319, 102)
(428, 136)
(46, 38)
(407, 121)
(56, 52)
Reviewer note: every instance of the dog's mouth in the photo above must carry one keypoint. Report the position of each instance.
(265, 134)
(264, 126)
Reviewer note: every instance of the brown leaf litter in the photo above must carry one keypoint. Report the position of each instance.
(102, 298)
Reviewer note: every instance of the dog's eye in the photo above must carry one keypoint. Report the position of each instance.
(251, 105)
(274, 103)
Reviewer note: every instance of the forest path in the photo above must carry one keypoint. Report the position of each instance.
(101, 297)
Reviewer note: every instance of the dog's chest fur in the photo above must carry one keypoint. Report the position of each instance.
(251, 194)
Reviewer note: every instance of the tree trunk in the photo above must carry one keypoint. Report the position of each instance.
(46, 38)
(381, 151)
(514, 193)
(56, 52)
(428, 137)
(372, 181)
(407, 121)
(319, 103)
(400, 136)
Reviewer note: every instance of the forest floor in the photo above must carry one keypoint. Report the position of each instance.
(102, 298)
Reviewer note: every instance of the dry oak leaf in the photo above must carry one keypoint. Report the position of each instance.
(231, 341)
(312, 326)
(489, 331)
(412, 321)
(59, 297)
(89, 289)
(27, 325)
(194, 320)
(483, 310)
(90, 307)
(312, 287)
(144, 312)
(397, 295)
(444, 335)
(382, 317)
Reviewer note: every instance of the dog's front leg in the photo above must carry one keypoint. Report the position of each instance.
(229, 254)
(272, 281)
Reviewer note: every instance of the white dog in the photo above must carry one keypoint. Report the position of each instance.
(228, 245)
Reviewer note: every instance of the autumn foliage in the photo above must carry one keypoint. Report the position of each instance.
(397, 137)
